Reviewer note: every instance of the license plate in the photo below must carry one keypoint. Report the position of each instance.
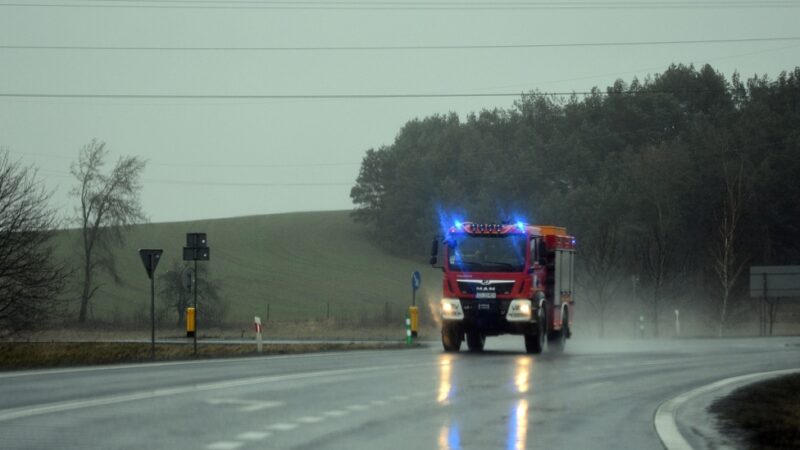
(486, 295)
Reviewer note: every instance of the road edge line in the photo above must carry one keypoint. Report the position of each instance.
(665, 415)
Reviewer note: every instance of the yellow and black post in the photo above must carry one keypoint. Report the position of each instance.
(413, 312)
(190, 325)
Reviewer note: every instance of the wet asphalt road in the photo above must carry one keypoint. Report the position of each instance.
(598, 395)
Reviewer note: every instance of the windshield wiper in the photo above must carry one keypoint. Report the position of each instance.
(500, 263)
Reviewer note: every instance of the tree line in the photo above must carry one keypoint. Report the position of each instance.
(674, 185)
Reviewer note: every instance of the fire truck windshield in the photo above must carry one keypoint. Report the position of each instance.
(505, 253)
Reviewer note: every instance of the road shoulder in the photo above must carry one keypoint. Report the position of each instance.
(683, 422)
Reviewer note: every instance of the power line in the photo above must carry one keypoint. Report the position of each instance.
(328, 96)
(399, 47)
(208, 165)
(217, 183)
(244, 184)
(255, 96)
(413, 6)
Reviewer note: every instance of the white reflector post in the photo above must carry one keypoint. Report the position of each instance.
(259, 345)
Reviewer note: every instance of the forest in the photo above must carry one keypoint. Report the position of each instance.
(673, 185)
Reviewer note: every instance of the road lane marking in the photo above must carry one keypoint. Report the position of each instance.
(254, 435)
(249, 405)
(47, 408)
(336, 413)
(283, 426)
(310, 419)
(357, 407)
(224, 445)
(664, 420)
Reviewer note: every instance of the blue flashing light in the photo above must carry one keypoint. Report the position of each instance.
(521, 226)
(459, 224)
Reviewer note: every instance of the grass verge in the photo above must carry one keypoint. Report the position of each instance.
(764, 415)
(30, 355)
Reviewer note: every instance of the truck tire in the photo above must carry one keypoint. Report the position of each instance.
(451, 338)
(534, 343)
(557, 340)
(476, 341)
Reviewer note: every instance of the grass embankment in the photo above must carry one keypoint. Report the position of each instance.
(29, 355)
(303, 265)
(765, 415)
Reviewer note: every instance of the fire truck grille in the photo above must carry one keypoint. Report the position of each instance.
(500, 288)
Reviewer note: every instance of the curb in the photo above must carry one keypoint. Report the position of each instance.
(664, 419)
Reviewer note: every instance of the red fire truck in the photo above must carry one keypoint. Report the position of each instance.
(506, 278)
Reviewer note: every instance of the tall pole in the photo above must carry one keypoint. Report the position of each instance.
(152, 312)
(764, 310)
(195, 308)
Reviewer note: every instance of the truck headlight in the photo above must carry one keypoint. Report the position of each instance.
(451, 309)
(519, 310)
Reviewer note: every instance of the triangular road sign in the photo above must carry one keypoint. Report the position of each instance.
(150, 258)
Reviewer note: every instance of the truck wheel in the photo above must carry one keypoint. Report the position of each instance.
(475, 341)
(534, 343)
(451, 338)
(557, 340)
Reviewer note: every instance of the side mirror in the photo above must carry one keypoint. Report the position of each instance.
(434, 251)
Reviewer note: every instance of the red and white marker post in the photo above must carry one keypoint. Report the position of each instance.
(258, 327)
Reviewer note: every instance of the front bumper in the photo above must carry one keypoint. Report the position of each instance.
(489, 318)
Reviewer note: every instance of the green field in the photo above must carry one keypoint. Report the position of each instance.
(297, 263)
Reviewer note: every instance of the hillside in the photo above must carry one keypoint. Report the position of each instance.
(295, 262)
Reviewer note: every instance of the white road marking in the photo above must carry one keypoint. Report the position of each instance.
(357, 407)
(47, 408)
(667, 428)
(224, 445)
(254, 435)
(283, 426)
(335, 413)
(249, 405)
(310, 419)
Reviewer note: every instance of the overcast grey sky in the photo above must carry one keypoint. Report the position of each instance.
(231, 157)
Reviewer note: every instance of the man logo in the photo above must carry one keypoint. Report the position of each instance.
(486, 282)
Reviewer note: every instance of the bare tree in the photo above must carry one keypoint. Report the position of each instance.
(597, 212)
(177, 298)
(658, 249)
(727, 266)
(30, 280)
(108, 204)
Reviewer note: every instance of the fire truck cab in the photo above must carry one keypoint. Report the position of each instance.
(506, 278)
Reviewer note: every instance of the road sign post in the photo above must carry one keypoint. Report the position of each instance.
(150, 258)
(770, 285)
(196, 250)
